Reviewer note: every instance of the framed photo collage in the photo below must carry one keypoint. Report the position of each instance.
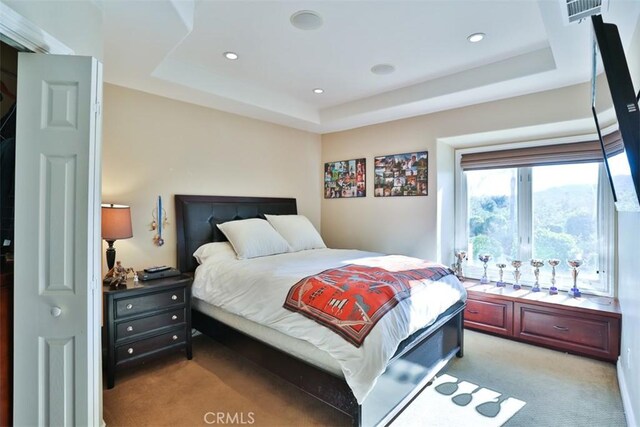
(395, 175)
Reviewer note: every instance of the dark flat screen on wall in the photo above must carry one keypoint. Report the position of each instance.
(622, 160)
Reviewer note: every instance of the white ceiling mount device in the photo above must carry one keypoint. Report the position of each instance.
(577, 10)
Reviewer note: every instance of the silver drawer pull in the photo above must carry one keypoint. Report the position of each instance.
(175, 337)
(174, 297)
(473, 311)
(560, 328)
(129, 328)
(129, 306)
(174, 317)
(130, 350)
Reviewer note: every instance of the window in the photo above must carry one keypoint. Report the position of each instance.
(492, 217)
(564, 205)
(562, 211)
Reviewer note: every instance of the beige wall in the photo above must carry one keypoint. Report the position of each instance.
(414, 225)
(157, 146)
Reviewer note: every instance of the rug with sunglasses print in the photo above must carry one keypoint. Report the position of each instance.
(452, 402)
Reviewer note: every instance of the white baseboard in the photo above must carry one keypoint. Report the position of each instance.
(626, 401)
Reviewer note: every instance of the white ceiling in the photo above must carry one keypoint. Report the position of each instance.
(174, 48)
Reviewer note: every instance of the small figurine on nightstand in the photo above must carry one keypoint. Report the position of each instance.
(118, 275)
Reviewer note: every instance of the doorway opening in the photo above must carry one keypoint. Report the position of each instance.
(8, 96)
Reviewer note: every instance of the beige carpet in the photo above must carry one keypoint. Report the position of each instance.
(560, 390)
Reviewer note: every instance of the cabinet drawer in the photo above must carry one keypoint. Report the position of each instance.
(149, 345)
(571, 331)
(130, 306)
(492, 316)
(132, 328)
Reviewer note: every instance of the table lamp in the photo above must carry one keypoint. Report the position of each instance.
(116, 225)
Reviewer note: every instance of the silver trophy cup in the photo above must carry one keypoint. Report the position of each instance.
(553, 290)
(501, 283)
(575, 266)
(516, 274)
(485, 259)
(457, 267)
(536, 264)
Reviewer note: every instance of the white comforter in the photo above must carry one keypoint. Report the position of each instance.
(256, 289)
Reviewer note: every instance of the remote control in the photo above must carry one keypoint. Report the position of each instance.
(156, 269)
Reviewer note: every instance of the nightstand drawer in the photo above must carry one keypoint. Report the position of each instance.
(149, 345)
(132, 328)
(130, 306)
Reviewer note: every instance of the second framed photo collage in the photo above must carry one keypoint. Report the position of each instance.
(403, 174)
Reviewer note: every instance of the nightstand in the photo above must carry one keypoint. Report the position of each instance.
(145, 319)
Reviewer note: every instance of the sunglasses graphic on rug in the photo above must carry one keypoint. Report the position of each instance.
(489, 409)
(453, 402)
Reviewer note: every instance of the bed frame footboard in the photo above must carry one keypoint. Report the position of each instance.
(419, 358)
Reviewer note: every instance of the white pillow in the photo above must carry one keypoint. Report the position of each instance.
(298, 231)
(253, 238)
(214, 249)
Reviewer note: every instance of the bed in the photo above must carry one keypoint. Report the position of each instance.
(416, 361)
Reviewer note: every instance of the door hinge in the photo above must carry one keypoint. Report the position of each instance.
(94, 283)
(97, 108)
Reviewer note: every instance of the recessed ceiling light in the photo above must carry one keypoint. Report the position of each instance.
(476, 37)
(381, 69)
(230, 55)
(306, 20)
(318, 90)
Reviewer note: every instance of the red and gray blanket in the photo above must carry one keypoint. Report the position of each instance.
(350, 300)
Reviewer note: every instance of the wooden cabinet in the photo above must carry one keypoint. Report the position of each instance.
(145, 319)
(489, 315)
(587, 326)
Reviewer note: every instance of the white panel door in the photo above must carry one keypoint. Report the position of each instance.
(57, 258)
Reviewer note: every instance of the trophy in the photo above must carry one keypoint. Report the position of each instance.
(553, 263)
(575, 265)
(516, 274)
(485, 259)
(460, 257)
(500, 283)
(536, 264)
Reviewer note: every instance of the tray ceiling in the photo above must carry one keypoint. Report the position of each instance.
(175, 49)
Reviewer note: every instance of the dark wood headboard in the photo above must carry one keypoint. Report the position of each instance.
(197, 216)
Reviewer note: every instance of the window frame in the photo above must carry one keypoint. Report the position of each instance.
(605, 216)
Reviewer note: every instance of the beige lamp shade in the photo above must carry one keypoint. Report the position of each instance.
(116, 222)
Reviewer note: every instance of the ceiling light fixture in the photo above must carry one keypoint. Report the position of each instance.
(230, 55)
(318, 90)
(306, 20)
(476, 37)
(382, 69)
